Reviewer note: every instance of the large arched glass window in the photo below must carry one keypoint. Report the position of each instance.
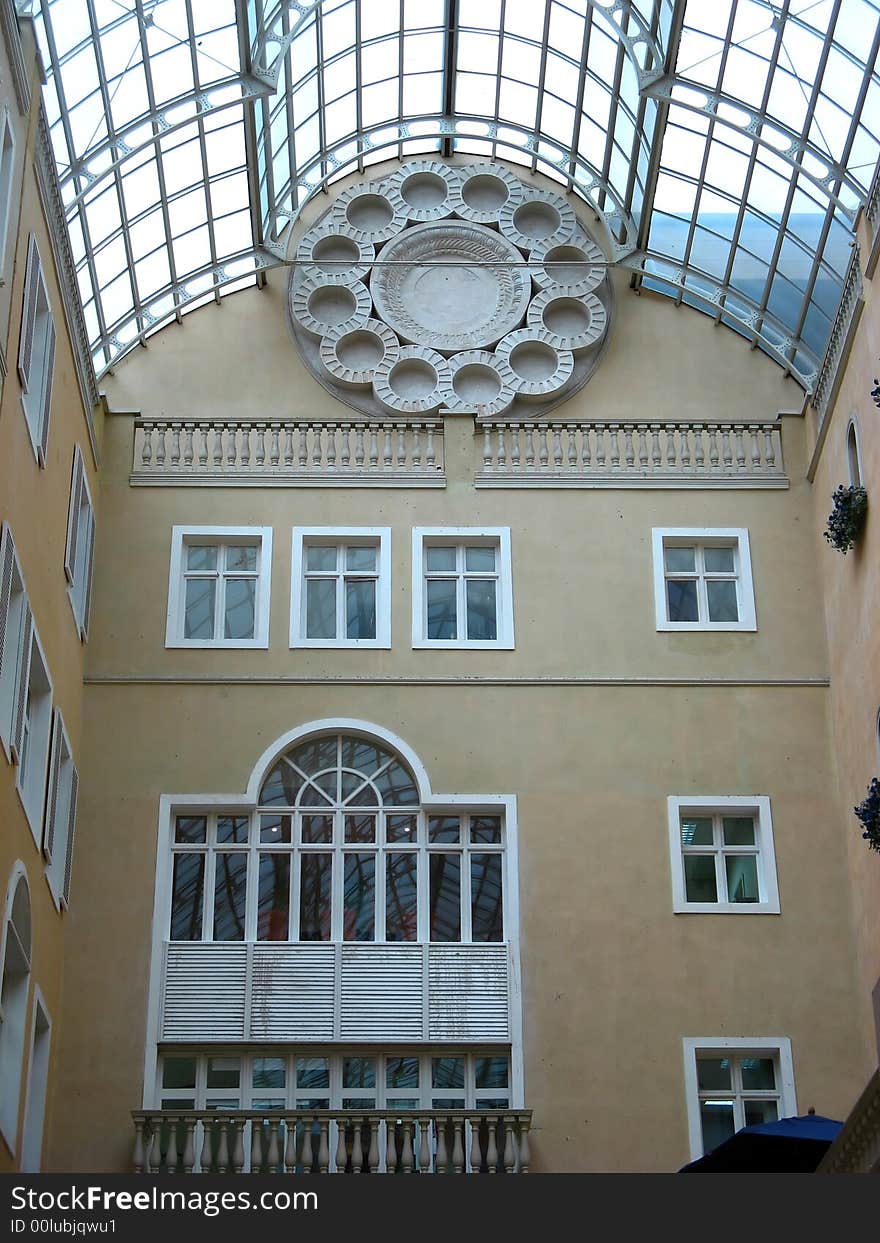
(16, 970)
(339, 849)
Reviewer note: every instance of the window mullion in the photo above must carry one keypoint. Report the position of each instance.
(341, 621)
(252, 884)
(210, 875)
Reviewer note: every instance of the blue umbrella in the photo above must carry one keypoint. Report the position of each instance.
(789, 1146)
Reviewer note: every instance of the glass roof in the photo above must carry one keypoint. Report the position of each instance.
(727, 143)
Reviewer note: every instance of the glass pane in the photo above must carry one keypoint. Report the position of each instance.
(243, 557)
(360, 608)
(722, 600)
(441, 608)
(485, 828)
(482, 619)
(314, 902)
(447, 1072)
(363, 756)
(739, 831)
(760, 1111)
(718, 560)
(699, 878)
(233, 829)
(360, 828)
(400, 828)
(190, 829)
(479, 559)
(199, 608)
(241, 596)
(363, 559)
(275, 829)
(717, 1123)
(270, 1072)
(273, 898)
(487, 912)
(359, 898)
(697, 832)
(312, 1072)
(439, 558)
(186, 901)
(758, 1074)
(491, 1072)
(680, 560)
(358, 1072)
(230, 891)
(321, 608)
(402, 1072)
(314, 757)
(317, 828)
(281, 786)
(742, 878)
(445, 922)
(223, 1072)
(396, 786)
(444, 829)
(713, 1073)
(401, 910)
(682, 600)
(201, 558)
(179, 1072)
(318, 558)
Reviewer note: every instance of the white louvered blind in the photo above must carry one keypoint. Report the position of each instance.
(204, 993)
(381, 992)
(292, 992)
(28, 313)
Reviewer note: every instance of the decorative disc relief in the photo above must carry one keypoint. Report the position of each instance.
(450, 287)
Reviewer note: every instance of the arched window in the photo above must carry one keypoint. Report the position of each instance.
(853, 458)
(339, 848)
(16, 970)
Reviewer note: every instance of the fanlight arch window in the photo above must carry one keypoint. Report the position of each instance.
(15, 975)
(339, 848)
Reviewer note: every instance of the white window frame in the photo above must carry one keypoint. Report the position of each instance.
(36, 353)
(13, 1029)
(7, 180)
(33, 763)
(757, 805)
(181, 537)
(15, 620)
(60, 821)
(736, 1046)
(380, 538)
(458, 537)
(80, 546)
(702, 536)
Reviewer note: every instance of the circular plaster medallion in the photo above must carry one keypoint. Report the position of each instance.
(477, 381)
(572, 322)
(351, 356)
(416, 382)
(579, 265)
(483, 190)
(334, 250)
(372, 212)
(426, 188)
(438, 298)
(540, 216)
(323, 303)
(532, 364)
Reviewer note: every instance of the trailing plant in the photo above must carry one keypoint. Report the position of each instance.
(847, 518)
(868, 812)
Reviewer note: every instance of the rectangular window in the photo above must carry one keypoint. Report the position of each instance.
(703, 579)
(80, 547)
(722, 855)
(462, 589)
(60, 813)
(36, 352)
(219, 588)
(32, 729)
(7, 160)
(15, 628)
(735, 1082)
(340, 587)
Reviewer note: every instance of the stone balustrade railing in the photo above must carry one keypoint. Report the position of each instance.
(579, 453)
(284, 453)
(322, 1141)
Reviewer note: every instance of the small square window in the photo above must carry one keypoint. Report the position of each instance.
(735, 1082)
(340, 590)
(722, 856)
(462, 592)
(703, 579)
(219, 588)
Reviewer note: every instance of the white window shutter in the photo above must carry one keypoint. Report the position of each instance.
(87, 579)
(76, 488)
(24, 673)
(71, 825)
(29, 312)
(47, 392)
(54, 784)
(7, 565)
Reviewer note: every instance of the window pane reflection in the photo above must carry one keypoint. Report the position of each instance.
(445, 906)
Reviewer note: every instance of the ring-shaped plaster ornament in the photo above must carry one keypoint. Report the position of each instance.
(483, 191)
(322, 304)
(573, 322)
(416, 382)
(579, 265)
(351, 356)
(427, 189)
(477, 381)
(334, 250)
(532, 365)
(540, 216)
(373, 211)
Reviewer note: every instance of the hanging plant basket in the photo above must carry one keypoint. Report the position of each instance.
(847, 518)
(868, 812)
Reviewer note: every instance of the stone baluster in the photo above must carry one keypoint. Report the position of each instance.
(175, 444)
(256, 1146)
(513, 431)
(769, 447)
(357, 1148)
(146, 435)
(217, 447)
(171, 1150)
(238, 1147)
(755, 448)
(345, 445)
(441, 1160)
(390, 1147)
(509, 1147)
(288, 445)
(324, 1147)
(457, 1146)
(699, 448)
(684, 440)
(424, 1155)
(501, 456)
(373, 1151)
(600, 444)
(188, 445)
(543, 450)
(492, 1146)
(341, 1154)
(189, 1149)
(374, 446)
(137, 1156)
(671, 456)
(416, 447)
(430, 458)
(359, 446)
(530, 445)
(629, 452)
(524, 1153)
(244, 430)
(726, 451)
(303, 453)
(406, 1150)
(615, 447)
(487, 447)
(160, 445)
(386, 444)
(155, 1157)
(290, 1161)
(317, 446)
(740, 448)
(231, 444)
(571, 445)
(557, 446)
(205, 1158)
(274, 451)
(476, 1153)
(401, 447)
(261, 444)
(203, 429)
(222, 1147)
(585, 445)
(643, 446)
(331, 446)
(656, 459)
(713, 445)
(273, 1157)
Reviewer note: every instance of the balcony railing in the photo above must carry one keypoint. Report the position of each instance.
(383, 453)
(332, 1141)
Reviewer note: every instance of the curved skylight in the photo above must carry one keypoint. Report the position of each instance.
(727, 143)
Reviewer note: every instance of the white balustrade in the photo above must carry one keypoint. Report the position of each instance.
(289, 453)
(300, 1141)
(585, 453)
